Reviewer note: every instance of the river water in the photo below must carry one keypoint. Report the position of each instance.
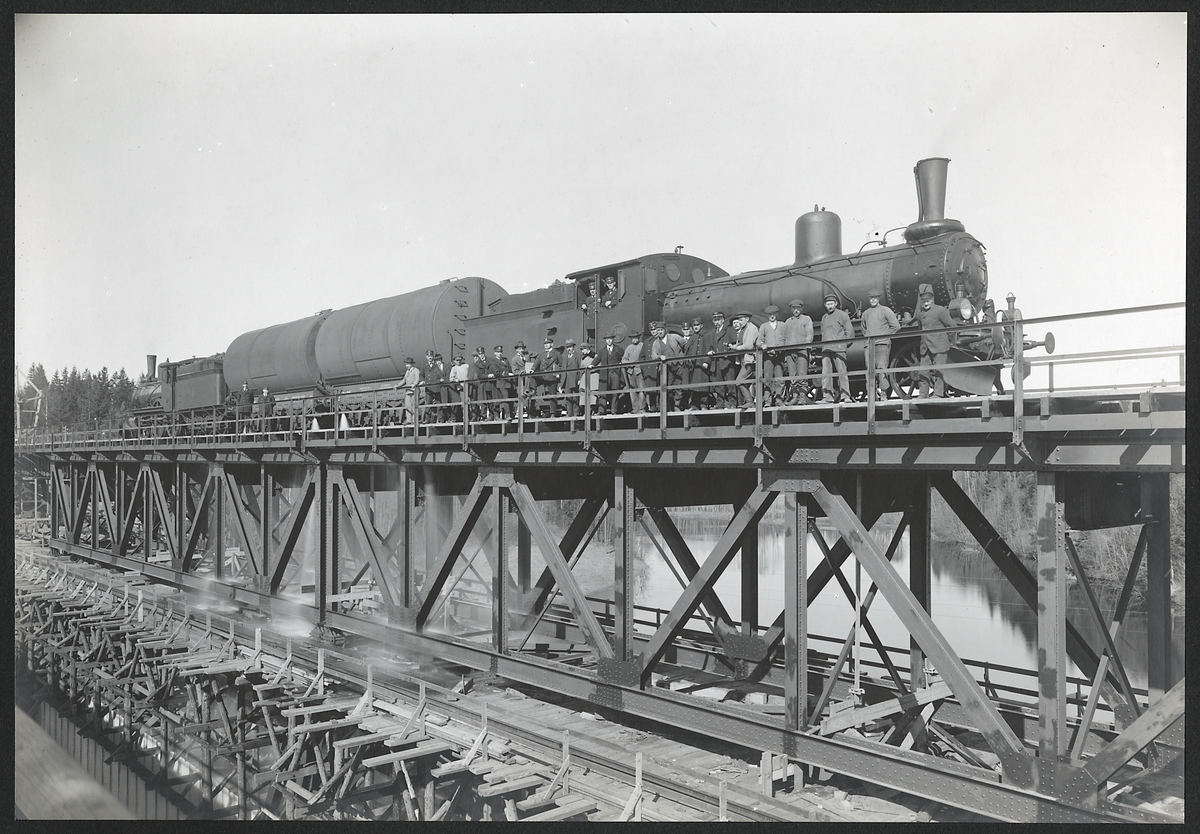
(977, 610)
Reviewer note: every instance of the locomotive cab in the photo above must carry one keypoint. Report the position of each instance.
(631, 294)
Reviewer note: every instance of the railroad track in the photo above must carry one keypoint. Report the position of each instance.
(536, 757)
(532, 756)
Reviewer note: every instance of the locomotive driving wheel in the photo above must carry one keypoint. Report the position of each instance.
(904, 363)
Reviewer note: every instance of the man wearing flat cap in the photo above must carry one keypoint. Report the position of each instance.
(798, 330)
(836, 333)
(879, 321)
(774, 369)
(745, 339)
(935, 347)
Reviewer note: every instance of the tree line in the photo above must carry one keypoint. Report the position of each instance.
(71, 396)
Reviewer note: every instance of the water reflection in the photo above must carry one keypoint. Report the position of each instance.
(977, 610)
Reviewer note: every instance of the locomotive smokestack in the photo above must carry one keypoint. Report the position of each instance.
(930, 175)
(151, 365)
(931, 188)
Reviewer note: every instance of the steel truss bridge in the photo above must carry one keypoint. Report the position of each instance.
(373, 532)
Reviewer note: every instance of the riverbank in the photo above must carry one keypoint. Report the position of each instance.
(1008, 500)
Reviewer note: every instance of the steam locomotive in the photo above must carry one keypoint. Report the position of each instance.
(359, 347)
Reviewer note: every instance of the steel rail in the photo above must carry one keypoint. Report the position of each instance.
(914, 773)
(741, 803)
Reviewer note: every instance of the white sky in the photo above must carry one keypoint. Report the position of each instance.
(181, 180)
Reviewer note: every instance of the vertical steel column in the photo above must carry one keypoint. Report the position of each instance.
(524, 551)
(920, 575)
(216, 520)
(54, 493)
(93, 497)
(148, 516)
(404, 514)
(119, 503)
(1156, 503)
(267, 483)
(499, 575)
(1052, 619)
(795, 619)
(624, 504)
(327, 569)
(181, 495)
(74, 495)
(749, 545)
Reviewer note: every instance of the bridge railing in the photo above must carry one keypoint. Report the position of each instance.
(776, 379)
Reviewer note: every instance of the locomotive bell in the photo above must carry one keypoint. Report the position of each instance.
(818, 236)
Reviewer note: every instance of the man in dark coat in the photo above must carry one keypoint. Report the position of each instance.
(935, 347)
(546, 366)
(482, 388)
(724, 367)
(569, 384)
(700, 346)
(266, 408)
(500, 376)
(611, 377)
(434, 377)
(245, 404)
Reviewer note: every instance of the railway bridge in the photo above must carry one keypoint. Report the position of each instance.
(475, 542)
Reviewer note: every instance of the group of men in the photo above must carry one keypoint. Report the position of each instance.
(701, 368)
(242, 407)
(554, 383)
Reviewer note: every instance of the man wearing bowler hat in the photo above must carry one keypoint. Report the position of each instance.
(836, 333)
(879, 321)
(798, 330)
(935, 347)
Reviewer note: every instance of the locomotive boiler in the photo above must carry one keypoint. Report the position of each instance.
(936, 251)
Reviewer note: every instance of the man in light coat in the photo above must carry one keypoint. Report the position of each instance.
(836, 332)
(770, 337)
(632, 360)
(746, 343)
(879, 321)
(798, 330)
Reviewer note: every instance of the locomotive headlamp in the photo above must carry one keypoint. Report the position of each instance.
(965, 309)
